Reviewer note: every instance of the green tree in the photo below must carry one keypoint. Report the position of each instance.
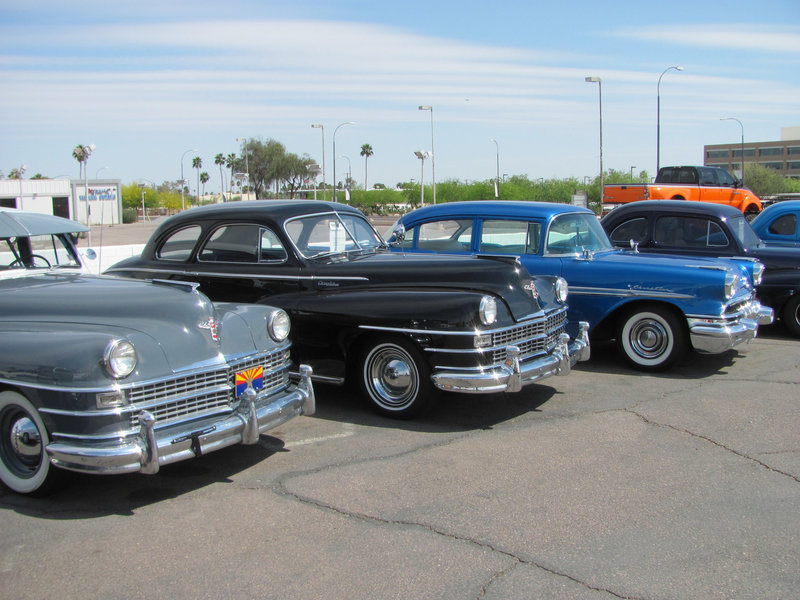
(15, 173)
(366, 152)
(219, 159)
(764, 181)
(197, 163)
(204, 180)
(230, 163)
(294, 171)
(81, 153)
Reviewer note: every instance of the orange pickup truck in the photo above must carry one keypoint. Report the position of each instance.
(705, 184)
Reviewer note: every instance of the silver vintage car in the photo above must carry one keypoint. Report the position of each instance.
(105, 375)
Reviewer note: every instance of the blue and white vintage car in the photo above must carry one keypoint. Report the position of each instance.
(655, 308)
(779, 224)
(106, 375)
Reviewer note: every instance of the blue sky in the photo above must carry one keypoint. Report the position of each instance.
(146, 81)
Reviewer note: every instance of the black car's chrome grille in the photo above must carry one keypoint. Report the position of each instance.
(201, 394)
(532, 338)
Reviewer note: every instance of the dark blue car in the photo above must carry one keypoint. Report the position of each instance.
(656, 308)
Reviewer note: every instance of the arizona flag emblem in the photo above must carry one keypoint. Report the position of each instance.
(249, 378)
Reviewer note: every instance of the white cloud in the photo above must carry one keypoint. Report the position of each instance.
(767, 38)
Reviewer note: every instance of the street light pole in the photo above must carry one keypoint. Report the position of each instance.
(497, 179)
(334, 155)
(421, 156)
(349, 174)
(632, 168)
(432, 153)
(742, 126)
(599, 83)
(658, 116)
(183, 181)
(319, 126)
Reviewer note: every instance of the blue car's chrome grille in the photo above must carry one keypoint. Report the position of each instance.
(202, 394)
(532, 338)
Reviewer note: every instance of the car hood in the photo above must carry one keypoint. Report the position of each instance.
(166, 324)
(504, 277)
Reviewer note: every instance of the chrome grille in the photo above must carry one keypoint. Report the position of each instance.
(202, 394)
(531, 338)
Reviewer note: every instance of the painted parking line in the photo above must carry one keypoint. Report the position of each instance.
(349, 431)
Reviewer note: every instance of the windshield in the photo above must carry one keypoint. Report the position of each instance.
(332, 233)
(574, 233)
(744, 232)
(36, 252)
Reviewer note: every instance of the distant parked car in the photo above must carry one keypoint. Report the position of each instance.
(705, 229)
(779, 224)
(402, 328)
(655, 308)
(34, 241)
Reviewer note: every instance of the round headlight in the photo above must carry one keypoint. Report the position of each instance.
(120, 359)
(488, 310)
(758, 273)
(279, 325)
(562, 289)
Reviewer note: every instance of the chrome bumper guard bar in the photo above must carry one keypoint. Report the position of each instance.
(713, 338)
(150, 449)
(513, 374)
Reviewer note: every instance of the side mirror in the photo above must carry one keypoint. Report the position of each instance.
(399, 234)
(634, 246)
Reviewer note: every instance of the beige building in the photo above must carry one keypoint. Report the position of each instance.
(782, 155)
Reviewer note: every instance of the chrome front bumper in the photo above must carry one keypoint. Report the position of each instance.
(513, 375)
(710, 337)
(150, 449)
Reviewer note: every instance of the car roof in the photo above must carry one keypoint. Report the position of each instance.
(677, 206)
(278, 209)
(20, 223)
(494, 208)
(784, 205)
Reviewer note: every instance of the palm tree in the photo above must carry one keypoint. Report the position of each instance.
(197, 163)
(366, 152)
(81, 154)
(204, 180)
(219, 159)
(230, 163)
(15, 173)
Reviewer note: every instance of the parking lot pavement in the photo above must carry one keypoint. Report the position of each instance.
(603, 484)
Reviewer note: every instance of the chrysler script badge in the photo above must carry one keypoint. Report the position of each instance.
(531, 287)
(211, 325)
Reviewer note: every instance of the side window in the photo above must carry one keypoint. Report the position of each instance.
(634, 229)
(450, 235)
(179, 245)
(52, 248)
(271, 248)
(783, 225)
(707, 176)
(510, 237)
(689, 232)
(232, 244)
(686, 176)
(408, 240)
(725, 178)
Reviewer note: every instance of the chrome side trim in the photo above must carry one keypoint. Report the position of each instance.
(235, 275)
(591, 291)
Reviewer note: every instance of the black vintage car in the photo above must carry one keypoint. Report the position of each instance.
(707, 229)
(402, 326)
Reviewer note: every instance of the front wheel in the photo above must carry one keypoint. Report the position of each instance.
(396, 378)
(24, 465)
(791, 315)
(651, 338)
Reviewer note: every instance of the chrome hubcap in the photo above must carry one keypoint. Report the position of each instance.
(392, 377)
(649, 338)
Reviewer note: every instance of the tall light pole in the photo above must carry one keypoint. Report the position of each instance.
(599, 83)
(421, 156)
(319, 126)
(432, 154)
(246, 163)
(497, 180)
(742, 126)
(20, 173)
(632, 168)
(87, 153)
(334, 154)
(183, 181)
(658, 116)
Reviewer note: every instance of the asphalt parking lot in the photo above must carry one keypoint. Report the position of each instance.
(603, 484)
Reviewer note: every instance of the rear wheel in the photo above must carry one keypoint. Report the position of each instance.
(751, 212)
(791, 315)
(396, 378)
(24, 465)
(651, 338)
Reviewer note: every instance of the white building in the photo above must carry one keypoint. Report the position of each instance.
(66, 198)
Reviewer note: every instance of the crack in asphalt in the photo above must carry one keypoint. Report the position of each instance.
(649, 421)
(279, 488)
